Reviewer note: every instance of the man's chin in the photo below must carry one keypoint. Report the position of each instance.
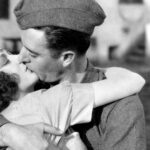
(49, 79)
(52, 81)
(41, 78)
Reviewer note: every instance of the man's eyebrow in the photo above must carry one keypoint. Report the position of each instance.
(31, 51)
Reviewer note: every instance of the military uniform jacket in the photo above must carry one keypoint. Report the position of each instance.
(116, 126)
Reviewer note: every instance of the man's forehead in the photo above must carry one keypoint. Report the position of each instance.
(34, 40)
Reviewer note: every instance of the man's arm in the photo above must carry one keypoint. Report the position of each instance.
(125, 126)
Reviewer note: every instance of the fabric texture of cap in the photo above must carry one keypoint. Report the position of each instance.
(79, 15)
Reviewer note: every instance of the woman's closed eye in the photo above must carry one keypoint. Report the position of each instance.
(9, 52)
(3, 60)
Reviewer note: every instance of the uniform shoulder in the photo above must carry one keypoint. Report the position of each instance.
(122, 108)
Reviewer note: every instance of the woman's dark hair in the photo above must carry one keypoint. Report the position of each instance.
(8, 89)
(60, 39)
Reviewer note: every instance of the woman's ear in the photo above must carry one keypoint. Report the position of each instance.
(67, 58)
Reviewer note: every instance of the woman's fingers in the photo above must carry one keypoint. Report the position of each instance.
(46, 128)
(52, 130)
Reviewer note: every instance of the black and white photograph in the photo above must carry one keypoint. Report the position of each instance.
(74, 74)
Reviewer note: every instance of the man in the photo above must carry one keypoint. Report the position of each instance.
(56, 35)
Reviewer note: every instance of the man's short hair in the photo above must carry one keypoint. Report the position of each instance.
(62, 39)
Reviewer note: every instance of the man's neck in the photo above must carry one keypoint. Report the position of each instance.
(76, 71)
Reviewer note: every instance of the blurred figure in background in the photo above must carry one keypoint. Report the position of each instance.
(136, 35)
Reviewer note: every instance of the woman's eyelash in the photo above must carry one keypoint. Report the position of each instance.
(9, 52)
(3, 60)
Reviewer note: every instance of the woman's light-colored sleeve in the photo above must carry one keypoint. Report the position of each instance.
(83, 102)
(69, 104)
(56, 103)
(24, 111)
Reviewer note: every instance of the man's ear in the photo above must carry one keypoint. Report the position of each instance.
(67, 58)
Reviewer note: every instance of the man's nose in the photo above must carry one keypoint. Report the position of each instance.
(24, 56)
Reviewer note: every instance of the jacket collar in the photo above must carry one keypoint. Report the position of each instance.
(92, 74)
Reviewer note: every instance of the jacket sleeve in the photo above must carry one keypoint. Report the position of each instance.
(124, 126)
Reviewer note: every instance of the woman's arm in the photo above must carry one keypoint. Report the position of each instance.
(119, 83)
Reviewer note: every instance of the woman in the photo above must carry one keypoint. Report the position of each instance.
(62, 107)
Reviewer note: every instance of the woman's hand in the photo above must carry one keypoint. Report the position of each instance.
(27, 137)
(72, 142)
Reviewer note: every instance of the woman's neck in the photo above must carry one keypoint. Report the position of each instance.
(23, 93)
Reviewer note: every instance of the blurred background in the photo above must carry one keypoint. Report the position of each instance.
(123, 40)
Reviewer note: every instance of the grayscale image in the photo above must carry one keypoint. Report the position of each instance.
(74, 74)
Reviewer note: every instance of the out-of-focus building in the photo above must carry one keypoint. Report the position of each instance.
(9, 31)
(122, 17)
(8, 26)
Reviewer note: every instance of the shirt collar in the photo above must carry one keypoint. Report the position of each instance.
(92, 74)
